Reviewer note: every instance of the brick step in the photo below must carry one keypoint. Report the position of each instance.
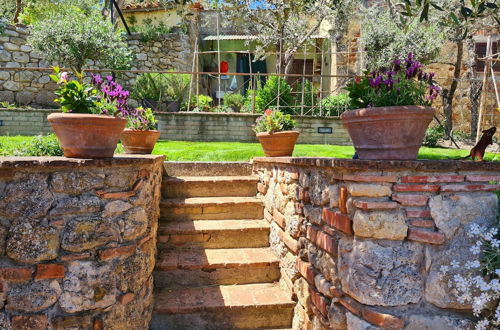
(223, 307)
(207, 168)
(211, 208)
(193, 268)
(221, 234)
(209, 186)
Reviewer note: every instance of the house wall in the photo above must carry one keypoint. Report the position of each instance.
(188, 126)
(361, 243)
(78, 243)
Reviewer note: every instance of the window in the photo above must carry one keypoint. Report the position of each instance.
(481, 53)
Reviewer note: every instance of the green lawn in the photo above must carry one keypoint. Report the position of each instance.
(234, 151)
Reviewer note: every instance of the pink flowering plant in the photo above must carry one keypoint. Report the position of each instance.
(141, 119)
(477, 281)
(274, 121)
(405, 83)
(73, 95)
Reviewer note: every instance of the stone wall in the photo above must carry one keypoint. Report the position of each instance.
(361, 243)
(188, 126)
(35, 88)
(78, 242)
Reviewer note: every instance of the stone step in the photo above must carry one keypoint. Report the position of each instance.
(200, 267)
(223, 307)
(211, 208)
(207, 168)
(209, 186)
(220, 234)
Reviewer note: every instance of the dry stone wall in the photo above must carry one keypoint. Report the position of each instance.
(78, 242)
(35, 88)
(187, 126)
(361, 243)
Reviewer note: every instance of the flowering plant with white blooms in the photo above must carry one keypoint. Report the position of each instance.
(480, 285)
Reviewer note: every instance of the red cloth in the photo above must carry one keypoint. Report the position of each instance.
(224, 67)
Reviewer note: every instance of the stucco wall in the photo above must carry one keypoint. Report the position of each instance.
(361, 243)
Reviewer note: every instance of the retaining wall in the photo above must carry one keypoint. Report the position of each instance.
(78, 242)
(361, 243)
(35, 88)
(188, 126)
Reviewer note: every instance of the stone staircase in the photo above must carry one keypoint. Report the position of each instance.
(214, 268)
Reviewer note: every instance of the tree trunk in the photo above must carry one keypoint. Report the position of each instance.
(19, 9)
(449, 94)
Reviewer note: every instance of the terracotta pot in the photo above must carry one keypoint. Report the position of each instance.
(279, 143)
(139, 142)
(86, 135)
(388, 132)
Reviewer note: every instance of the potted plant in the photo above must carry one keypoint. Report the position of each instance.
(275, 133)
(150, 90)
(141, 135)
(234, 101)
(392, 110)
(177, 89)
(92, 117)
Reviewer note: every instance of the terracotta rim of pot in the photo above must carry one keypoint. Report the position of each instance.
(388, 133)
(387, 113)
(139, 141)
(87, 135)
(278, 144)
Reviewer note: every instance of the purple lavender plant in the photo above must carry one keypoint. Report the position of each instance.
(111, 92)
(402, 84)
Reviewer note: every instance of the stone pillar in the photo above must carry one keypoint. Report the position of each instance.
(78, 242)
(361, 243)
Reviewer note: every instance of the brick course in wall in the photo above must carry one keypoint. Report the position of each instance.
(185, 126)
(69, 256)
(372, 236)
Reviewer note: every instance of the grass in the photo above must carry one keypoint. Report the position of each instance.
(235, 151)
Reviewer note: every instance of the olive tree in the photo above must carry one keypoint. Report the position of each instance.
(384, 39)
(460, 20)
(285, 25)
(71, 38)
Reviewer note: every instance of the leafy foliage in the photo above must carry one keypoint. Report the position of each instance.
(200, 103)
(274, 121)
(72, 38)
(38, 10)
(141, 119)
(41, 145)
(433, 135)
(384, 39)
(333, 105)
(150, 86)
(177, 86)
(73, 95)
(399, 86)
(267, 95)
(234, 100)
(149, 30)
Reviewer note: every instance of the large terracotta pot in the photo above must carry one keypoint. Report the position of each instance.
(86, 135)
(278, 143)
(139, 142)
(388, 132)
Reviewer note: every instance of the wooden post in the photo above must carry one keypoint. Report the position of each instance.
(483, 88)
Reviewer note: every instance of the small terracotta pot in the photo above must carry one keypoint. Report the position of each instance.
(86, 135)
(139, 142)
(278, 143)
(394, 133)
